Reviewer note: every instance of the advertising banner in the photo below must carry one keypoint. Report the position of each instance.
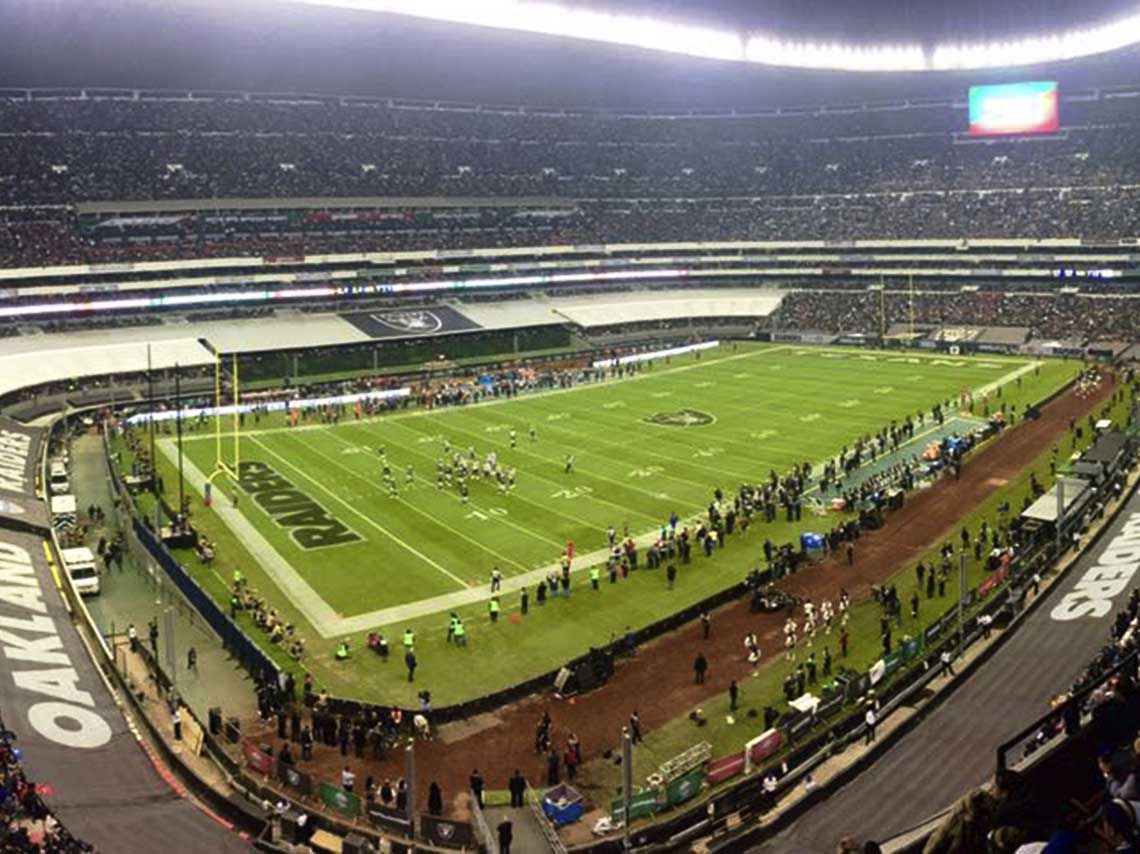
(452, 834)
(390, 819)
(19, 457)
(768, 744)
(260, 762)
(719, 770)
(991, 582)
(299, 781)
(680, 789)
(642, 805)
(910, 648)
(891, 663)
(343, 802)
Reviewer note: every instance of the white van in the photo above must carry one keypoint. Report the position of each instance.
(57, 478)
(80, 565)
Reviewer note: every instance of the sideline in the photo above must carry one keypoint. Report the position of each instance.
(420, 412)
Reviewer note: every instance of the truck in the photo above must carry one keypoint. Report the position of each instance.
(82, 569)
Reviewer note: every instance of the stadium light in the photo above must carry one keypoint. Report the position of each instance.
(763, 49)
(554, 20)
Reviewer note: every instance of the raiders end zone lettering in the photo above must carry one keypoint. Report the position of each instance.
(15, 449)
(38, 662)
(308, 523)
(1093, 594)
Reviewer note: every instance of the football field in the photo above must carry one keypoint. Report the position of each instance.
(642, 448)
(348, 553)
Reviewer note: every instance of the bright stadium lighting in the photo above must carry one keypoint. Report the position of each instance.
(1035, 51)
(762, 49)
(554, 20)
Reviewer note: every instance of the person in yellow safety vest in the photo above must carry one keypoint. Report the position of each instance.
(494, 606)
(342, 651)
(595, 576)
(409, 639)
(460, 633)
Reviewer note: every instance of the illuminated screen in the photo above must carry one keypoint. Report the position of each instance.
(1013, 108)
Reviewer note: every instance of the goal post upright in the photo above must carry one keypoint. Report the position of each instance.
(217, 409)
(225, 464)
(237, 421)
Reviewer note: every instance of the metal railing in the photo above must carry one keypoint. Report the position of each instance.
(1074, 705)
(548, 829)
(483, 833)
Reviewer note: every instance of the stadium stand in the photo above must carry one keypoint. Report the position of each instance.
(76, 175)
(30, 827)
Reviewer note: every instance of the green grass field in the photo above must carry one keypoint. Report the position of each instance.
(416, 556)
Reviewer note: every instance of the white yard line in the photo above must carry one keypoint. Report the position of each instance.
(1010, 377)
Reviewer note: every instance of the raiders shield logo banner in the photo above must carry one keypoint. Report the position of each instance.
(411, 323)
(294, 779)
(454, 834)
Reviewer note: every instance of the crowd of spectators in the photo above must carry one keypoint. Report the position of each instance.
(1048, 314)
(830, 175)
(29, 827)
(63, 150)
(1101, 213)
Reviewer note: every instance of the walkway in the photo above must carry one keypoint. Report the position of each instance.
(526, 833)
(140, 593)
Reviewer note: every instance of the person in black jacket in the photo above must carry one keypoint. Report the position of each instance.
(517, 788)
(506, 836)
(476, 784)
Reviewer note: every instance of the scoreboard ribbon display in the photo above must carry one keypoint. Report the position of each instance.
(1013, 108)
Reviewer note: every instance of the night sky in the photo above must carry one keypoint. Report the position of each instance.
(262, 45)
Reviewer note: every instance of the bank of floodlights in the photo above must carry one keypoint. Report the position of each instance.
(711, 43)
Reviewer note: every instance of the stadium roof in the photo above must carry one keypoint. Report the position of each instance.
(1038, 31)
(284, 46)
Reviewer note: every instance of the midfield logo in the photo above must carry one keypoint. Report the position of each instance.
(681, 418)
(309, 524)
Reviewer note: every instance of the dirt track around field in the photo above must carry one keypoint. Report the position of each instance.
(658, 682)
